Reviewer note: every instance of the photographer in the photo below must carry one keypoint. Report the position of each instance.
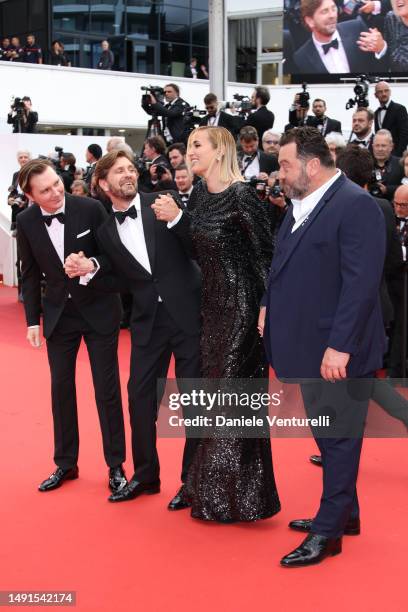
(324, 124)
(154, 154)
(362, 128)
(22, 118)
(176, 154)
(253, 162)
(16, 198)
(298, 112)
(261, 118)
(172, 111)
(66, 169)
(218, 118)
(387, 168)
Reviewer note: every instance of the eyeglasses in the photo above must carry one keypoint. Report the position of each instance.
(275, 142)
(401, 204)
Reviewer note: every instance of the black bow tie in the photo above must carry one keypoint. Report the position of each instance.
(48, 218)
(401, 219)
(122, 214)
(362, 143)
(334, 43)
(248, 158)
(383, 107)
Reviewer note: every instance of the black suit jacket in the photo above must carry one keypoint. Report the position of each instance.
(396, 121)
(267, 163)
(392, 176)
(173, 117)
(83, 216)
(27, 128)
(307, 58)
(262, 120)
(175, 277)
(332, 125)
(227, 121)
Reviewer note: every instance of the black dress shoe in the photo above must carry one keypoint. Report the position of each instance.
(352, 526)
(117, 479)
(133, 489)
(312, 550)
(58, 477)
(179, 501)
(316, 460)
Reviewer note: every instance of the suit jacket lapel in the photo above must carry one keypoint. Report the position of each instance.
(129, 262)
(44, 238)
(149, 220)
(302, 230)
(71, 225)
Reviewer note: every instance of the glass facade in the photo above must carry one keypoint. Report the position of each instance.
(147, 36)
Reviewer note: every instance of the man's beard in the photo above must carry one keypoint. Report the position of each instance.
(300, 188)
(124, 193)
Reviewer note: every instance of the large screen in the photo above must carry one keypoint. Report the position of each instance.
(324, 37)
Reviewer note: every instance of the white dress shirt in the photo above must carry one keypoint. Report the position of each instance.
(303, 208)
(132, 236)
(56, 231)
(335, 60)
(253, 168)
(381, 114)
(213, 121)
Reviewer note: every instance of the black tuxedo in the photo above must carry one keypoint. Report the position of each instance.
(307, 58)
(396, 121)
(26, 128)
(329, 125)
(391, 176)
(72, 312)
(225, 120)
(145, 180)
(157, 328)
(173, 117)
(262, 120)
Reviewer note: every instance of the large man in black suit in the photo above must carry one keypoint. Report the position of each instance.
(217, 118)
(391, 116)
(166, 287)
(324, 249)
(261, 118)
(55, 226)
(333, 48)
(174, 129)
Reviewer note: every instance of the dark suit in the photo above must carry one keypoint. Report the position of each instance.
(157, 328)
(267, 162)
(262, 120)
(392, 174)
(26, 128)
(396, 121)
(173, 117)
(308, 61)
(323, 291)
(232, 124)
(88, 313)
(329, 125)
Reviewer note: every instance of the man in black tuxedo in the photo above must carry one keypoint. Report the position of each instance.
(184, 181)
(387, 167)
(332, 47)
(324, 124)
(261, 118)
(218, 118)
(24, 122)
(166, 287)
(174, 129)
(362, 128)
(253, 161)
(56, 225)
(391, 116)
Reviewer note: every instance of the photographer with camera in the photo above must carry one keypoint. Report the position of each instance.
(362, 128)
(298, 111)
(153, 164)
(216, 117)
(16, 198)
(261, 118)
(324, 124)
(172, 109)
(255, 165)
(22, 118)
(388, 171)
(66, 169)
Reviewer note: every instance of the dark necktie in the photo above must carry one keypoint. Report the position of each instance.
(48, 218)
(122, 214)
(334, 43)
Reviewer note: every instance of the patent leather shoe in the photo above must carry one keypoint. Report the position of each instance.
(352, 527)
(133, 489)
(58, 477)
(179, 501)
(316, 460)
(117, 479)
(312, 550)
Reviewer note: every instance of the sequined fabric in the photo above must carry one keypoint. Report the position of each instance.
(231, 479)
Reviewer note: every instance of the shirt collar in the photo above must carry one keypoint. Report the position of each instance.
(47, 214)
(313, 198)
(135, 202)
(319, 44)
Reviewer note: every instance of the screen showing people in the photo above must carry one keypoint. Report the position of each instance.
(345, 36)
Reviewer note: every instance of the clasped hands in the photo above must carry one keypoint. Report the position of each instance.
(77, 264)
(165, 208)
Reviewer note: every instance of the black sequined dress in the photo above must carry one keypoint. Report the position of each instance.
(231, 479)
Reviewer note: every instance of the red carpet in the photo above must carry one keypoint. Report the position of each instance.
(138, 556)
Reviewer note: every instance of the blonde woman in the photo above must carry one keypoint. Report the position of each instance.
(228, 232)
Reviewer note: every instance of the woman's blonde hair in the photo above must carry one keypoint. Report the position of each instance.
(223, 142)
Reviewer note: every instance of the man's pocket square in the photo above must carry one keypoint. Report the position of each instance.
(84, 233)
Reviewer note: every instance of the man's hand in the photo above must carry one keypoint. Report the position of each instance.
(261, 320)
(153, 171)
(280, 201)
(371, 41)
(382, 188)
(263, 176)
(165, 208)
(33, 336)
(334, 365)
(77, 264)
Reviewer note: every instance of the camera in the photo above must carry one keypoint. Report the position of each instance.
(142, 165)
(154, 90)
(360, 92)
(260, 185)
(17, 105)
(241, 103)
(161, 171)
(304, 97)
(275, 191)
(374, 187)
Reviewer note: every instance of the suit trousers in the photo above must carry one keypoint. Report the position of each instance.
(346, 404)
(62, 347)
(147, 364)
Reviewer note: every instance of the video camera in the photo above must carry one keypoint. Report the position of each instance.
(17, 105)
(303, 97)
(360, 92)
(154, 90)
(241, 103)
